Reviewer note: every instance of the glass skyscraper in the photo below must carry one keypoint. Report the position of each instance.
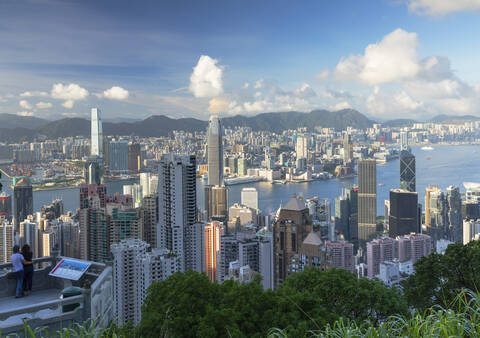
(96, 146)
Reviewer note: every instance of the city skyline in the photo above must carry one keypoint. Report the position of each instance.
(331, 58)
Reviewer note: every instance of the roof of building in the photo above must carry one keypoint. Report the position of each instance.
(296, 204)
(312, 239)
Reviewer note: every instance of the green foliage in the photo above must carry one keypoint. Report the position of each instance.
(189, 305)
(438, 278)
(435, 322)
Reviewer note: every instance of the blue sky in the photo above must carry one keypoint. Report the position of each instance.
(386, 58)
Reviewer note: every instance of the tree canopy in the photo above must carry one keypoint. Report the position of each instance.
(438, 278)
(189, 305)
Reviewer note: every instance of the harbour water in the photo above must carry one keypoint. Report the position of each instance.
(444, 165)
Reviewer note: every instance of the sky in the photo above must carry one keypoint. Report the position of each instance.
(387, 59)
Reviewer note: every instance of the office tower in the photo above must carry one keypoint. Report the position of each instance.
(215, 151)
(347, 149)
(250, 198)
(134, 158)
(118, 155)
(124, 223)
(145, 179)
(437, 209)
(5, 206)
(216, 202)
(428, 191)
(126, 279)
(134, 190)
(404, 141)
(301, 148)
(96, 145)
(29, 234)
(93, 196)
(367, 199)
(93, 171)
(178, 230)
(340, 255)
(22, 200)
(266, 258)
(47, 241)
(454, 214)
(7, 240)
(403, 218)
(407, 171)
(293, 224)
(150, 216)
(242, 166)
(212, 249)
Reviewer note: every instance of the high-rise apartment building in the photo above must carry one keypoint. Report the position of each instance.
(94, 234)
(215, 151)
(340, 255)
(124, 223)
(212, 249)
(301, 148)
(22, 200)
(178, 230)
(96, 144)
(347, 149)
(216, 202)
(150, 216)
(249, 198)
(403, 216)
(93, 196)
(6, 240)
(367, 199)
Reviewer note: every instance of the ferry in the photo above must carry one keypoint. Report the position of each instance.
(426, 148)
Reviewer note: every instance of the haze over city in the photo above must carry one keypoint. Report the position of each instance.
(386, 59)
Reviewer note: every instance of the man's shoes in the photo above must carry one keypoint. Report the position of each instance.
(18, 296)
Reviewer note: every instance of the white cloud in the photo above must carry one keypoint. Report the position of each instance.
(25, 104)
(442, 7)
(398, 105)
(43, 105)
(305, 91)
(70, 93)
(392, 59)
(323, 75)
(259, 84)
(25, 113)
(34, 93)
(116, 93)
(341, 106)
(246, 85)
(206, 79)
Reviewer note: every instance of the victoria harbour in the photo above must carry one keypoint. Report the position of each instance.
(447, 165)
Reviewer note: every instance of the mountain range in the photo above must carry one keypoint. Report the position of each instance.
(14, 128)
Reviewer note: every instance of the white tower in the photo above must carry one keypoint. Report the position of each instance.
(96, 147)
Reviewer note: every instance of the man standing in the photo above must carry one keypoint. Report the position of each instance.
(17, 262)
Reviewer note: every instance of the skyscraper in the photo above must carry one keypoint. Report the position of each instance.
(22, 200)
(178, 230)
(215, 151)
(347, 149)
(367, 199)
(118, 153)
(212, 249)
(96, 147)
(301, 147)
(403, 218)
(454, 214)
(134, 158)
(407, 171)
(6, 240)
(250, 198)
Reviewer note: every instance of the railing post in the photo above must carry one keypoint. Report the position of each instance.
(87, 304)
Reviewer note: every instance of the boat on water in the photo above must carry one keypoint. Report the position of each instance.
(426, 148)
(381, 184)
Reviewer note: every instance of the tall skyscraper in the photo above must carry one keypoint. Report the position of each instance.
(454, 214)
(301, 147)
(212, 249)
(118, 153)
(22, 200)
(403, 218)
(93, 171)
(404, 141)
(346, 214)
(367, 199)
(347, 149)
(216, 202)
(250, 198)
(215, 151)
(428, 191)
(178, 230)
(407, 171)
(134, 158)
(6, 240)
(96, 146)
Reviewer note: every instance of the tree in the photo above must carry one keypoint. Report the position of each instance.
(438, 278)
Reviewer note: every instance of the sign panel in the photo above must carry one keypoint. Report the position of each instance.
(70, 268)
